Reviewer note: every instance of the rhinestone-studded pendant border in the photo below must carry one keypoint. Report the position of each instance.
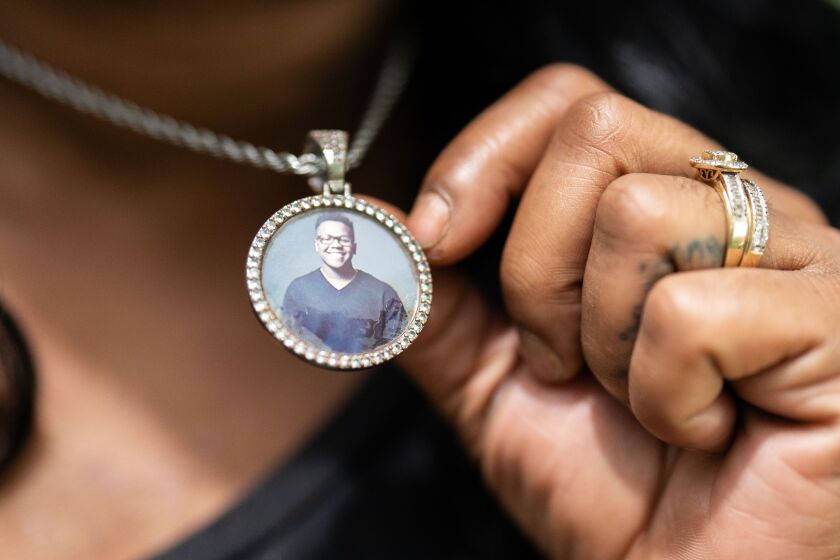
(303, 349)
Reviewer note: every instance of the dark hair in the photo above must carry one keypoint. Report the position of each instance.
(335, 217)
(17, 391)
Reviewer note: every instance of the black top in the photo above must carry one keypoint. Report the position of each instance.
(385, 479)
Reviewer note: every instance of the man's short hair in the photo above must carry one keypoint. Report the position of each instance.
(335, 217)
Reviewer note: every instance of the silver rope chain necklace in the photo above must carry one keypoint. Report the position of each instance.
(52, 83)
(301, 277)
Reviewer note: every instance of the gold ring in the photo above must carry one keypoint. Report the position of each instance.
(720, 169)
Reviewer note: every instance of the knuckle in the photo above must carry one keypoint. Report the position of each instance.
(631, 208)
(443, 176)
(520, 280)
(469, 161)
(603, 119)
(674, 317)
(528, 283)
(562, 76)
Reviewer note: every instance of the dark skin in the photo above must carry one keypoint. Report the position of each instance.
(125, 421)
(719, 437)
(697, 253)
(161, 400)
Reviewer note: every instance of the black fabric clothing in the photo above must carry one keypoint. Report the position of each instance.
(384, 480)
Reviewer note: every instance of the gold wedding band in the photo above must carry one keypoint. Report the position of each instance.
(746, 208)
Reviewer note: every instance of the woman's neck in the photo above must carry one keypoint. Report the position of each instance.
(245, 67)
(122, 261)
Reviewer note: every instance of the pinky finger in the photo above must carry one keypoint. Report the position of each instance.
(765, 336)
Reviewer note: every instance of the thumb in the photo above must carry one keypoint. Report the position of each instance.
(463, 353)
(462, 356)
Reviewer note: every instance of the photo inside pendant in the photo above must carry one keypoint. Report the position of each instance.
(340, 281)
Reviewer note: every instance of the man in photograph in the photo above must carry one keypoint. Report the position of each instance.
(344, 308)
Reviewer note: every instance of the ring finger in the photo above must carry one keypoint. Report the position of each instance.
(648, 226)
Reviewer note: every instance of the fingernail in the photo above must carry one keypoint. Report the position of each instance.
(431, 219)
(542, 360)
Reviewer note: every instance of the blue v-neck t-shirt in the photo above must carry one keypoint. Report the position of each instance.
(364, 314)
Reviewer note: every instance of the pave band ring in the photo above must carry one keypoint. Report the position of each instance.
(759, 224)
(746, 208)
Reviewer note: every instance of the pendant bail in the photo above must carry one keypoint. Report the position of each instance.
(331, 145)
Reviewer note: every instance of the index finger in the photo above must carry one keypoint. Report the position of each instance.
(468, 188)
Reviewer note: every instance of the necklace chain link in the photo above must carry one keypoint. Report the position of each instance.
(52, 83)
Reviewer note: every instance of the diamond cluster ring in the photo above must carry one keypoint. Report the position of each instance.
(748, 227)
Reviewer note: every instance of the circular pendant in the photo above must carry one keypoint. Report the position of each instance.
(339, 281)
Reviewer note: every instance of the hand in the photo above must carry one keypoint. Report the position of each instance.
(653, 466)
